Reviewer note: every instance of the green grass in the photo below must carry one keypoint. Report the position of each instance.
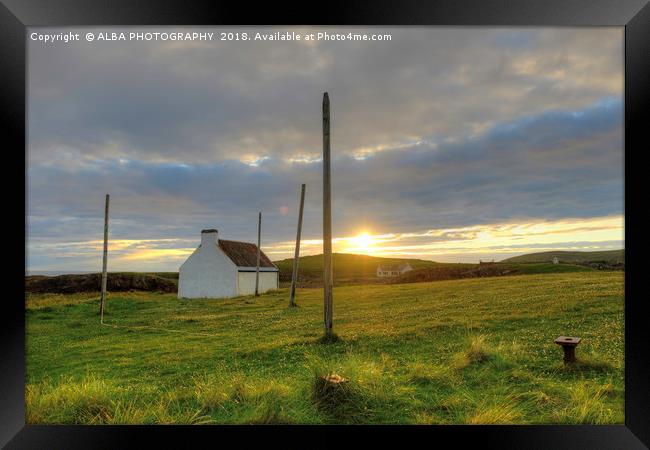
(568, 256)
(463, 351)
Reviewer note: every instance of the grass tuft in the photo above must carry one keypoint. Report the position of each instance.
(333, 394)
(588, 406)
(477, 352)
(367, 393)
(209, 395)
(502, 413)
(271, 406)
(253, 403)
(92, 400)
(87, 401)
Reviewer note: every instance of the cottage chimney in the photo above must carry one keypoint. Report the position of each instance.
(209, 237)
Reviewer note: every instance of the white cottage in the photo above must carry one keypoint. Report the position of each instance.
(221, 269)
(392, 270)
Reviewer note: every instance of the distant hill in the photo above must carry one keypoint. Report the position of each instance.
(361, 269)
(609, 256)
(483, 270)
(348, 268)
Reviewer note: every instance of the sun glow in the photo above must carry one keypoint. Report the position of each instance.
(472, 243)
(363, 240)
(362, 243)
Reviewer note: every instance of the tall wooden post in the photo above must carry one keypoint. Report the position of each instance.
(327, 220)
(104, 263)
(296, 255)
(257, 272)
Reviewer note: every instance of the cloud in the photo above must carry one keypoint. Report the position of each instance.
(161, 101)
(450, 245)
(437, 129)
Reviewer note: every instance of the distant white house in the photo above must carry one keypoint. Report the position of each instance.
(555, 260)
(392, 270)
(221, 269)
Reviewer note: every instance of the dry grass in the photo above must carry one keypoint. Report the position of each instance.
(495, 411)
(586, 405)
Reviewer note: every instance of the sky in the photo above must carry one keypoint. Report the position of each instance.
(448, 144)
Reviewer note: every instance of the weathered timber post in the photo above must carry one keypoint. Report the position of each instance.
(327, 220)
(257, 272)
(296, 255)
(104, 263)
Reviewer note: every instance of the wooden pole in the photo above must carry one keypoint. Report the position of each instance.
(296, 255)
(257, 272)
(327, 220)
(104, 262)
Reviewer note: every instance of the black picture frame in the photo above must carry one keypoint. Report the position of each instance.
(634, 15)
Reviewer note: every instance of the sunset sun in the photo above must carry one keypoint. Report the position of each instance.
(362, 242)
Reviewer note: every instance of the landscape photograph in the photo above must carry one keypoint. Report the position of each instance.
(325, 225)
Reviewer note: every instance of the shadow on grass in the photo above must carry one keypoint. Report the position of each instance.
(439, 377)
(587, 366)
(331, 339)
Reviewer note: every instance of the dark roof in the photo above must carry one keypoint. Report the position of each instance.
(209, 230)
(244, 254)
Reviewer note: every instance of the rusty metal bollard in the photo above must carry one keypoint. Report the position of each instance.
(568, 344)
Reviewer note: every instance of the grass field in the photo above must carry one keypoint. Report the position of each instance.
(476, 351)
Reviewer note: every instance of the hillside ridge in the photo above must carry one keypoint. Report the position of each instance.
(571, 256)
